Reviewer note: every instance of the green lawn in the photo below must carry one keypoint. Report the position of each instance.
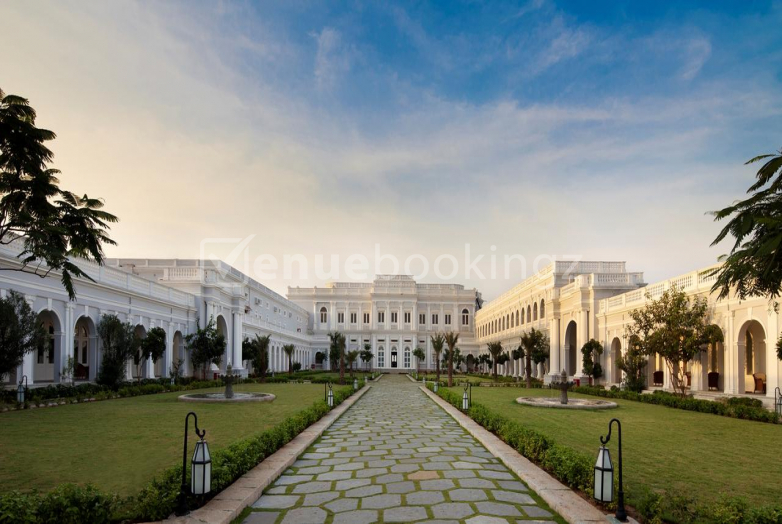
(474, 379)
(119, 445)
(691, 453)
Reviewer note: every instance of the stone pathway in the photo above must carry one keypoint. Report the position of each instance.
(395, 456)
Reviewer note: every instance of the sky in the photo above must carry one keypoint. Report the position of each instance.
(256, 131)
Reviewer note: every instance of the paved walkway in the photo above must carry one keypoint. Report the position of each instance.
(395, 456)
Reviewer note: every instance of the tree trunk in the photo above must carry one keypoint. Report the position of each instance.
(437, 366)
(341, 367)
(450, 368)
(528, 370)
(494, 369)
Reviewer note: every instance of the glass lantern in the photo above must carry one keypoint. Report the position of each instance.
(201, 469)
(604, 476)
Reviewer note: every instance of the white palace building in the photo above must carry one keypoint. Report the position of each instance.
(571, 301)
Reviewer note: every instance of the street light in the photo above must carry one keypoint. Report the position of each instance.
(355, 384)
(330, 396)
(436, 385)
(201, 468)
(20, 391)
(604, 474)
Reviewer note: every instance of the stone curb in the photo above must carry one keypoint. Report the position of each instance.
(230, 502)
(559, 497)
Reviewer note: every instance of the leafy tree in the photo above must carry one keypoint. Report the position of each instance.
(20, 332)
(517, 353)
(590, 352)
(53, 224)
(633, 363)
(256, 351)
(206, 346)
(674, 327)
(458, 358)
(451, 339)
(753, 267)
(152, 347)
(338, 346)
(120, 344)
(366, 354)
(438, 341)
(420, 356)
(350, 358)
(535, 345)
(289, 349)
(495, 349)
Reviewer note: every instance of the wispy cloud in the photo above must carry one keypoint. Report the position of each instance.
(332, 58)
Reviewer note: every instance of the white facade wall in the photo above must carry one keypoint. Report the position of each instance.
(387, 314)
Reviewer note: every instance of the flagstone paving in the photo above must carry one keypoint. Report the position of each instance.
(395, 456)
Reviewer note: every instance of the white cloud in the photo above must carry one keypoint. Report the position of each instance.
(332, 58)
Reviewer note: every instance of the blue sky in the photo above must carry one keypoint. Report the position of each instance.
(604, 130)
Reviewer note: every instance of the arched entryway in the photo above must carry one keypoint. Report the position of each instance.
(712, 365)
(407, 357)
(48, 356)
(615, 355)
(137, 371)
(571, 348)
(381, 357)
(752, 357)
(85, 349)
(180, 358)
(160, 364)
(394, 357)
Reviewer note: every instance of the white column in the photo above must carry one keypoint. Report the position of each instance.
(555, 352)
(238, 337)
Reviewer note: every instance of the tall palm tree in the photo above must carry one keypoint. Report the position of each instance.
(289, 349)
(366, 355)
(495, 348)
(419, 355)
(438, 341)
(451, 339)
(351, 358)
(338, 347)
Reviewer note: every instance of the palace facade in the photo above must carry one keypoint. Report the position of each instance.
(572, 302)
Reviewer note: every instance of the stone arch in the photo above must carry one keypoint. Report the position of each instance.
(222, 327)
(48, 358)
(408, 361)
(713, 366)
(180, 353)
(752, 356)
(85, 349)
(522, 315)
(542, 308)
(517, 317)
(160, 364)
(571, 348)
(616, 353)
(535, 311)
(394, 357)
(324, 315)
(140, 332)
(529, 313)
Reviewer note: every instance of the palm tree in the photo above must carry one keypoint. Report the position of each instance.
(438, 341)
(351, 358)
(338, 345)
(495, 348)
(535, 345)
(366, 355)
(419, 355)
(451, 339)
(289, 349)
(262, 345)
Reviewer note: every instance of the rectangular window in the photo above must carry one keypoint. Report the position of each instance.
(435, 320)
(408, 315)
(353, 318)
(394, 317)
(381, 316)
(465, 318)
(422, 319)
(340, 317)
(366, 318)
(447, 319)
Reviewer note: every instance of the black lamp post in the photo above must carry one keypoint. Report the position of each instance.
(20, 391)
(201, 472)
(604, 474)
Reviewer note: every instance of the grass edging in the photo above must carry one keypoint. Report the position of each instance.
(72, 504)
(576, 470)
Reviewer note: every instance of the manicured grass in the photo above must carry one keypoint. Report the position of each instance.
(683, 452)
(119, 445)
(474, 379)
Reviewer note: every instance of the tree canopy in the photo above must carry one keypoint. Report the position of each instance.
(535, 345)
(120, 344)
(256, 351)
(54, 225)
(21, 332)
(206, 345)
(438, 341)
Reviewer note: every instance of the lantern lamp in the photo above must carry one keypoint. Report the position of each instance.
(604, 473)
(20, 391)
(604, 476)
(201, 469)
(465, 398)
(355, 384)
(436, 385)
(331, 396)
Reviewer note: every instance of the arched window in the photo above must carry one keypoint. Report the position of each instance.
(529, 313)
(512, 323)
(507, 321)
(542, 308)
(81, 341)
(323, 315)
(522, 315)
(407, 357)
(381, 357)
(535, 311)
(517, 317)
(465, 317)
